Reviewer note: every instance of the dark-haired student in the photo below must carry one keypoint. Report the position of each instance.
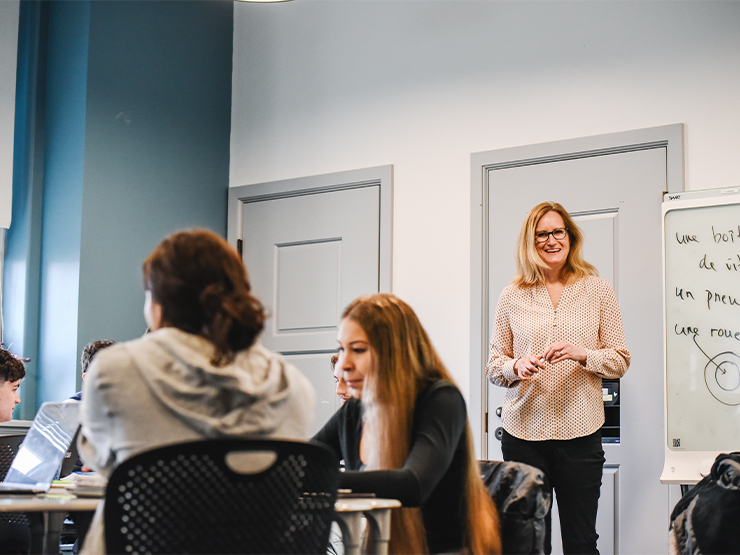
(88, 352)
(12, 371)
(81, 519)
(168, 386)
(342, 390)
(15, 537)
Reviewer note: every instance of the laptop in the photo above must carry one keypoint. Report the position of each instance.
(40, 456)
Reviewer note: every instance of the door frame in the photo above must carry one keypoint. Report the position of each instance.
(670, 137)
(381, 176)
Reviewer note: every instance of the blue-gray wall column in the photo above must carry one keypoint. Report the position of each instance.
(157, 146)
(66, 79)
(133, 146)
(21, 286)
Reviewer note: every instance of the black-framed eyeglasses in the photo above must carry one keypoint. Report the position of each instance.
(557, 234)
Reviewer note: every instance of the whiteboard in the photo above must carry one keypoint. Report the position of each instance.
(701, 256)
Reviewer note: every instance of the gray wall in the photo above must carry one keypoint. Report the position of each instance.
(331, 85)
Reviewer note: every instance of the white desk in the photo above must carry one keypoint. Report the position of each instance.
(349, 513)
(46, 514)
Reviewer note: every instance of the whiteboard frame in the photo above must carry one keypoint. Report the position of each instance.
(686, 467)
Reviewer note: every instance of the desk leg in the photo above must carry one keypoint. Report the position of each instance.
(351, 526)
(37, 521)
(54, 522)
(379, 521)
(46, 529)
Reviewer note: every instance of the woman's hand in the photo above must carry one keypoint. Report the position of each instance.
(528, 366)
(562, 350)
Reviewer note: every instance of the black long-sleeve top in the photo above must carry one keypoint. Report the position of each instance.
(433, 476)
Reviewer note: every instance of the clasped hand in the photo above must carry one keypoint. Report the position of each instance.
(527, 366)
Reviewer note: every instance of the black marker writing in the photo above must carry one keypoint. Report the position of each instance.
(733, 266)
(687, 330)
(721, 298)
(680, 294)
(717, 380)
(725, 237)
(706, 265)
(683, 239)
(723, 332)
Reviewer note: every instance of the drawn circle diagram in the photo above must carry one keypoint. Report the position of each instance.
(722, 376)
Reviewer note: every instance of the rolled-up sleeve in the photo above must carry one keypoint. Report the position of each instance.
(612, 358)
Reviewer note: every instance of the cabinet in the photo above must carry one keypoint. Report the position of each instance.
(610, 432)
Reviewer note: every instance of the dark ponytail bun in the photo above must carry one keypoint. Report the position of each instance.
(201, 283)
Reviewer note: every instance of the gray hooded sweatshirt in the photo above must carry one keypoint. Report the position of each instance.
(162, 389)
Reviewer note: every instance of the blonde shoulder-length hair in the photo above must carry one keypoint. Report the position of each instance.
(405, 363)
(529, 264)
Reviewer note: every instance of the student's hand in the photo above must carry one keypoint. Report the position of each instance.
(562, 350)
(526, 367)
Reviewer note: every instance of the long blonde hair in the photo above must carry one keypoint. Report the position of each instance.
(405, 363)
(529, 264)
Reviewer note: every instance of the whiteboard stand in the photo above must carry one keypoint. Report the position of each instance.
(701, 302)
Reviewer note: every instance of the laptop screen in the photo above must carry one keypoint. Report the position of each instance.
(40, 455)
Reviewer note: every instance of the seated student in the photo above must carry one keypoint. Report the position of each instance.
(15, 536)
(705, 520)
(200, 372)
(404, 433)
(82, 520)
(88, 352)
(86, 358)
(12, 371)
(342, 391)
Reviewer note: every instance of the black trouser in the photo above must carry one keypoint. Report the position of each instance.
(573, 468)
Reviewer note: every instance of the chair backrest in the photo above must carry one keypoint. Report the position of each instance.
(11, 523)
(522, 499)
(706, 518)
(223, 496)
(8, 448)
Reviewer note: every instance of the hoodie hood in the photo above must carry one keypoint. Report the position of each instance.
(252, 395)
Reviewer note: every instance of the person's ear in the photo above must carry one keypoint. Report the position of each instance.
(156, 312)
(152, 312)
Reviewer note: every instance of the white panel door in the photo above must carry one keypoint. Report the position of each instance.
(615, 196)
(311, 246)
(308, 256)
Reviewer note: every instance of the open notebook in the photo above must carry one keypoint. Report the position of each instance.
(40, 455)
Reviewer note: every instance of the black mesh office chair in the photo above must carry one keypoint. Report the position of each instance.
(15, 532)
(522, 499)
(8, 448)
(200, 498)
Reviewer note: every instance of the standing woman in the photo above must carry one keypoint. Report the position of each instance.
(199, 374)
(558, 332)
(404, 433)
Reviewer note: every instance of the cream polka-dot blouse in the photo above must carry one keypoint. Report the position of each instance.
(563, 400)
